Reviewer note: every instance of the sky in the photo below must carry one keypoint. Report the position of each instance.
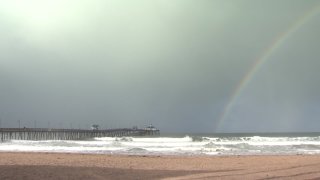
(177, 64)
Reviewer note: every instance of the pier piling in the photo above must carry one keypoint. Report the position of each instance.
(35, 134)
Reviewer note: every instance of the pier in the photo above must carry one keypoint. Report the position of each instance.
(35, 134)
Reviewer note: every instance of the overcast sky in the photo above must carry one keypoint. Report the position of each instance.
(172, 63)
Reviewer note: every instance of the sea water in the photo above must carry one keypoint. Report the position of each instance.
(209, 144)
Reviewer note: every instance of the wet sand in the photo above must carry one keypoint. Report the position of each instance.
(90, 166)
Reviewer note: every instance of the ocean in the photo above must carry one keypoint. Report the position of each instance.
(190, 145)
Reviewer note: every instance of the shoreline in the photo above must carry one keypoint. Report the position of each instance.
(163, 155)
(46, 165)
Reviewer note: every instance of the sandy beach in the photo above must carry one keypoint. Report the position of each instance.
(91, 166)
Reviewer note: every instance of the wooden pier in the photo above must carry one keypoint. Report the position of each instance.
(69, 134)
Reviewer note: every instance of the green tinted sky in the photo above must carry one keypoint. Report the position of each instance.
(171, 63)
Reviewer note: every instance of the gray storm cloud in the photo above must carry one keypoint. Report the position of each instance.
(171, 63)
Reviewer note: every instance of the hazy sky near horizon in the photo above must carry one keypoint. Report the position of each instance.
(172, 63)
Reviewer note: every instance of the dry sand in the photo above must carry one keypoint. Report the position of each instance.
(88, 166)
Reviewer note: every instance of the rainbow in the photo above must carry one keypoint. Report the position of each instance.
(263, 59)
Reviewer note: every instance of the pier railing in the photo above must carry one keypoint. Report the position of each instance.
(69, 134)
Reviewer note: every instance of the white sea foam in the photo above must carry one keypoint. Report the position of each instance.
(174, 145)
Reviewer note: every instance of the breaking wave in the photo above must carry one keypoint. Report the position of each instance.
(187, 145)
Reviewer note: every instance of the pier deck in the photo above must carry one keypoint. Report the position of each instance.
(69, 134)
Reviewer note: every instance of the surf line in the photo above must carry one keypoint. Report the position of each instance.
(263, 59)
